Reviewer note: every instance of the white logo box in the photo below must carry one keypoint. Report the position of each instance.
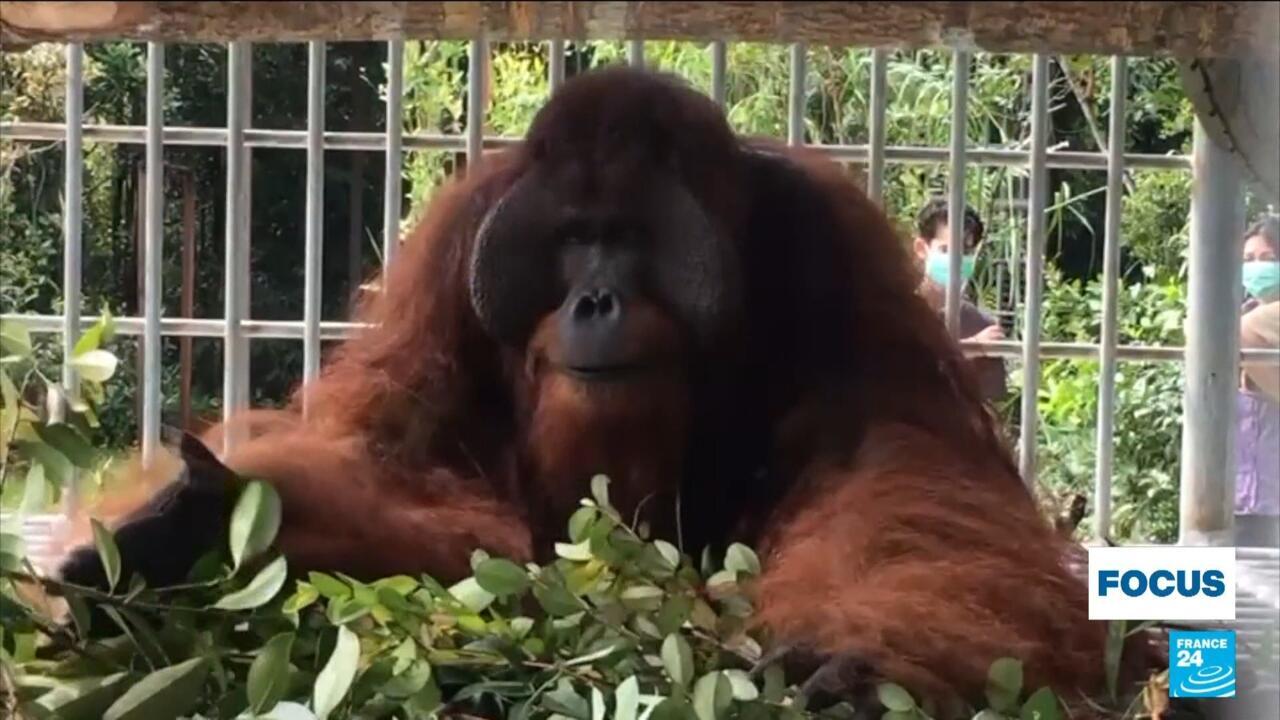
(1117, 605)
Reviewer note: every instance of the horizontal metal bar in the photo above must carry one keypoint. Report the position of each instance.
(376, 142)
(196, 327)
(334, 330)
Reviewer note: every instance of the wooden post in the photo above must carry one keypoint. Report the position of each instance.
(1185, 29)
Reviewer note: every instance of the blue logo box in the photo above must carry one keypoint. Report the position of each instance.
(1202, 664)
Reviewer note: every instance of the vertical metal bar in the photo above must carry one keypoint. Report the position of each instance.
(1206, 502)
(72, 214)
(315, 213)
(153, 264)
(635, 53)
(1110, 299)
(795, 106)
(235, 242)
(391, 198)
(875, 167)
(956, 177)
(555, 65)
(245, 222)
(72, 223)
(477, 71)
(719, 66)
(1037, 191)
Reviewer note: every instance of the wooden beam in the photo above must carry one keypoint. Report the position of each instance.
(1187, 29)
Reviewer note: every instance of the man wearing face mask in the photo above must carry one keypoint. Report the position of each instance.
(1258, 400)
(932, 245)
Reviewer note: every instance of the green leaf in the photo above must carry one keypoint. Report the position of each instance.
(566, 701)
(596, 655)
(600, 490)
(84, 699)
(642, 597)
(579, 552)
(329, 586)
(254, 521)
(626, 699)
(35, 491)
(301, 598)
(95, 365)
(1004, 684)
(580, 523)
(741, 558)
(1042, 705)
(597, 704)
(471, 595)
(900, 715)
(57, 468)
(11, 552)
(335, 679)
(501, 577)
(712, 695)
(68, 441)
(166, 693)
(284, 711)
(989, 715)
(261, 589)
(92, 339)
(107, 552)
(15, 338)
(677, 658)
(895, 697)
(269, 674)
(743, 688)
(669, 553)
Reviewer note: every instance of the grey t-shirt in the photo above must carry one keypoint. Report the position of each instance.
(991, 372)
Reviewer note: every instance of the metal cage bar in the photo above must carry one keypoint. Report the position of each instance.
(72, 215)
(391, 199)
(477, 70)
(1112, 240)
(1037, 192)
(1211, 354)
(376, 142)
(879, 100)
(956, 188)
(235, 308)
(719, 68)
(635, 53)
(154, 246)
(73, 248)
(313, 263)
(555, 65)
(1214, 294)
(795, 96)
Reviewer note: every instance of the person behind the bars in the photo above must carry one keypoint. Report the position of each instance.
(1258, 399)
(932, 245)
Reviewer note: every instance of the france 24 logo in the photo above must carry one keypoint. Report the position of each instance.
(1202, 664)
(1162, 583)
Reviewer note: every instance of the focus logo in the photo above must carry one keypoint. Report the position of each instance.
(1162, 583)
(1202, 664)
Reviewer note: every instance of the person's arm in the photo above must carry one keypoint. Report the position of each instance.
(1260, 329)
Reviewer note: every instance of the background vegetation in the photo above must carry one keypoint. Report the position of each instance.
(1155, 208)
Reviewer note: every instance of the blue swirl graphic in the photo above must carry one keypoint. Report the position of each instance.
(1211, 680)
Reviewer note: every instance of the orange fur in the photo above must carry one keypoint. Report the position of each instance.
(840, 428)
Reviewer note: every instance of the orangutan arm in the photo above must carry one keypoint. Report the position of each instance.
(341, 512)
(913, 568)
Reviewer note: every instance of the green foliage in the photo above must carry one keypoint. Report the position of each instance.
(1148, 420)
(621, 629)
(48, 432)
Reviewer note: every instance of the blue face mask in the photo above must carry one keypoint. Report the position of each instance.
(1262, 278)
(937, 266)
